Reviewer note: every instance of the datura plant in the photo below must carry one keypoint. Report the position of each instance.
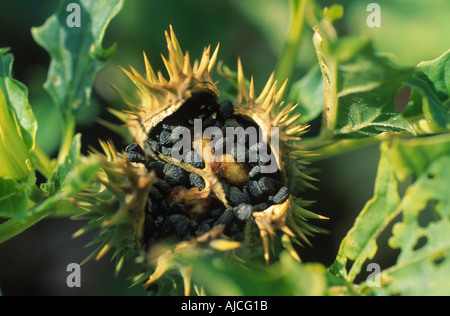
(202, 174)
(206, 192)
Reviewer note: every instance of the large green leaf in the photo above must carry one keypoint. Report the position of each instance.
(76, 52)
(422, 235)
(360, 243)
(16, 95)
(359, 86)
(308, 92)
(423, 266)
(17, 124)
(412, 157)
(13, 199)
(430, 98)
(17, 136)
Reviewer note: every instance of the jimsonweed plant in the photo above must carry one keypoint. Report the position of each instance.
(206, 192)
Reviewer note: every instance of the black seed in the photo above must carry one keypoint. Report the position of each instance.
(226, 110)
(196, 181)
(164, 207)
(153, 145)
(243, 211)
(134, 157)
(267, 186)
(165, 228)
(215, 213)
(210, 104)
(168, 127)
(178, 133)
(174, 175)
(178, 208)
(180, 224)
(225, 218)
(208, 121)
(135, 148)
(240, 153)
(255, 172)
(256, 147)
(135, 153)
(237, 197)
(231, 123)
(219, 145)
(159, 220)
(260, 207)
(156, 166)
(210, 221)
(195, 160)
(233, 228)
(162, 186)
(193, 224)
(171, 124)
(254, 189)
(202, 229)
(155, 195)
(166, 151)
(164, 138)
(281, 196)
(225, 187)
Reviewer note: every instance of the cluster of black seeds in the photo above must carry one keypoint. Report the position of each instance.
(174, 209)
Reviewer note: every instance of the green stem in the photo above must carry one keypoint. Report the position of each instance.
(38, 212)
(13, 227)
(326, 147)
(69, 131)
(286, 64)
(42, 162)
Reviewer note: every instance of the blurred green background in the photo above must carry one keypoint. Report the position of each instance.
(255, 30)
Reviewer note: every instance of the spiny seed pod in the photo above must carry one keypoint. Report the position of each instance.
(202, 171)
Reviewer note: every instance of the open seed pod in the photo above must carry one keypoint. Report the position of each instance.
(204, 172)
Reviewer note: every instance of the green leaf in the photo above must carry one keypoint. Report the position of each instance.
(287, 277)
(16, 95)
(413, 157)
(287, 62)
(76, 53)
(17, 125)
(308, 92)
(423, 265)
(360, 242)
(367, 84)
(425, 209)
(72, 159)
(359, 86)
(13, 199)
(430, 95)
(74, 174)
(17, 137)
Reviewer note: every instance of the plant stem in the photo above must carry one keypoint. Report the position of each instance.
(286, 64)
(13, 227)
(325, 147)
(38, 212)
(42, 162)
(69, 131)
